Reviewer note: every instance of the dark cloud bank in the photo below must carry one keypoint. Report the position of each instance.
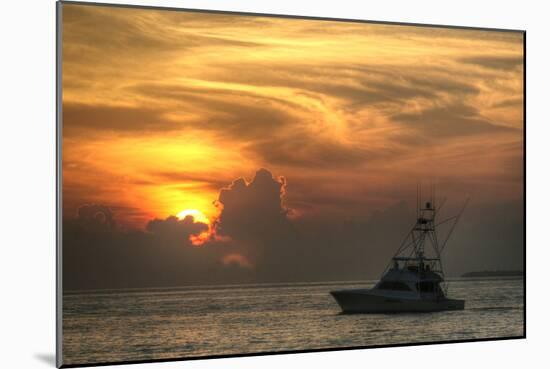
(256, 240)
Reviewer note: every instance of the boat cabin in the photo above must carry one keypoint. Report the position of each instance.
(412, 275)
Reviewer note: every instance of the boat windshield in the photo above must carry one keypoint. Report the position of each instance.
(393, 285)
(429, 287)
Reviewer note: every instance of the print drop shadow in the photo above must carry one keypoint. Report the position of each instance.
(46, 358)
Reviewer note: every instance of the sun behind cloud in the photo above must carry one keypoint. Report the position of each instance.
(196, 214)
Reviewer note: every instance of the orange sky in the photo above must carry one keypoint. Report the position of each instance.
(162, 109)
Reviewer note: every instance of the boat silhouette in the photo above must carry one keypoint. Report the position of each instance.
(414, 280)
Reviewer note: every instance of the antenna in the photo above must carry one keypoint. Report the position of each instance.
(420, 199)
(433, 198)
(417, 200)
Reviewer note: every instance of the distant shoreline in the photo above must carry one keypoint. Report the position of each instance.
(494, 273)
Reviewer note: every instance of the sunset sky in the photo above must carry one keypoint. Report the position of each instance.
(164, 109)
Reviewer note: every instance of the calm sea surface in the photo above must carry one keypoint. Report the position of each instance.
(191, 322)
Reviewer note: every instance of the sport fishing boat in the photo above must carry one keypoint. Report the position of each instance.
(414, 280)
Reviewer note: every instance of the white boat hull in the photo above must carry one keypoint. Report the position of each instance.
(364, 302)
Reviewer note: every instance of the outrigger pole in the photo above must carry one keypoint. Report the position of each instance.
(457, 218)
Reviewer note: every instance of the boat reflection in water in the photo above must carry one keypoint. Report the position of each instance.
(414, 280)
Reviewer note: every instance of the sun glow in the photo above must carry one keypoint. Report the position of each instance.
(197, 215)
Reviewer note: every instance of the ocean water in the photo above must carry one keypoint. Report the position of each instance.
(114, 326)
